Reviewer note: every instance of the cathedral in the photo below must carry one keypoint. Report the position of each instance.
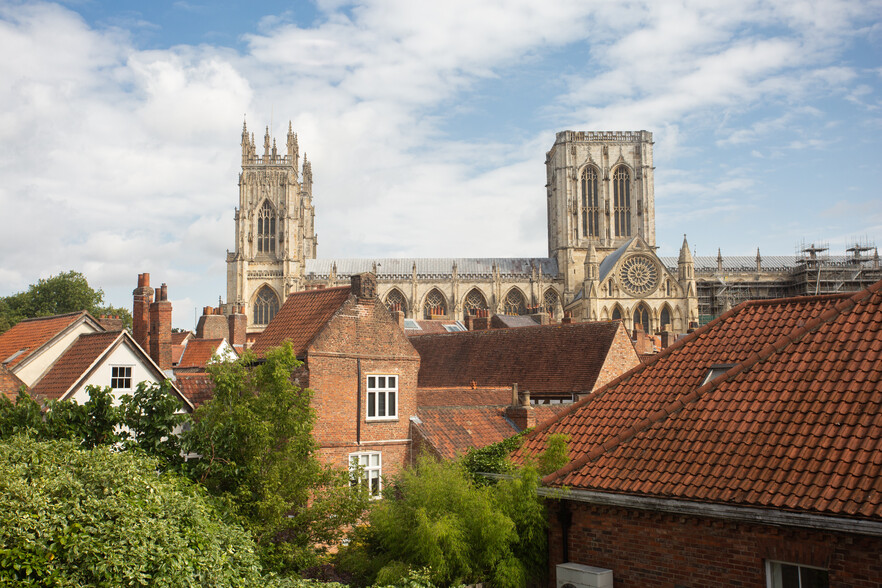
(601, 263)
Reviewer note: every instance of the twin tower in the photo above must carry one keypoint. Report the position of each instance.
(601, 262)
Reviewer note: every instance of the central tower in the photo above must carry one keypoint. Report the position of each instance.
(600, 193)
(274, 229)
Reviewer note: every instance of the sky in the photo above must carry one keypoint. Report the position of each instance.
(426, 124)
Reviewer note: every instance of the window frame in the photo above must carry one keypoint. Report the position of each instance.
(770, 576)
(123, 378)
(374, 391)
(368, 472)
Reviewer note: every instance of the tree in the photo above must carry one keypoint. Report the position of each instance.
(59, 294)
(150, 418)
(258, 454)
(74, 517)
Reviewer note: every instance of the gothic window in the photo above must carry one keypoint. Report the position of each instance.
(665, 319)
(474, 303)
(266, 229)
(622, 201)
(551, 300)
(395, 301)
(641, 317)
(514, 303)
(266, 305)
(617, 314)
(435, 305)
(590, 205)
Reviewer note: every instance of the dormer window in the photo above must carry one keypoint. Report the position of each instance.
(716, 371)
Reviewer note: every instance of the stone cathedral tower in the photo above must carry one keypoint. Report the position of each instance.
(600, 194)
(275, 234)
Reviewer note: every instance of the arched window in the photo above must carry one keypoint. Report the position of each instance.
(551, 301)
(266, 229)
(395, 301)
(474, 304)
(641, 317)
(514, 303)
(590, 203)
(266, 305)
(617, 314)
(622, 201)
(435, 305)
(665, 319)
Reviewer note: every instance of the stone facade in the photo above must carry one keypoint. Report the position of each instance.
(601, 262)
(274, 229)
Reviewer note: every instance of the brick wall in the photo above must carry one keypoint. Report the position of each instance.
(620, 358)
(142, 297)
(160, 329)
(656, 549)
(363, 336)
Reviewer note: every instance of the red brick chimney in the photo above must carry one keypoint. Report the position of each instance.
(143, 294)
(364, 286)
(520, 412)
(212, 325)
(237, 323)
(160, 329)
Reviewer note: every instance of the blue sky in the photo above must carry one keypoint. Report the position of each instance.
(427, 125)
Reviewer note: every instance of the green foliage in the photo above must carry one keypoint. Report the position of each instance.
(556, 454)
(491, 459)
(71, 517)
(440, 521)
(258, 454)
(150, 418)
(59, 294)
(23, 416)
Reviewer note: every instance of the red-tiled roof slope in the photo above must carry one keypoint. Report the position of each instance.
(551, 359)
(74, 363)
(796, 424)
(197, 388)
(30, 334)
(463, 396)
(453, 430)
(181, 336)
(300, 319)
(198, 352)
(9, 384)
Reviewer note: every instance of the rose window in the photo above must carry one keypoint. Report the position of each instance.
(639, 275)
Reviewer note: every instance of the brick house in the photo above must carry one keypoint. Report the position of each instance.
(362, 369)
(747, 454)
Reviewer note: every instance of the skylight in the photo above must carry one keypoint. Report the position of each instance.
(412, 325)
(716, 371)
(455, 328)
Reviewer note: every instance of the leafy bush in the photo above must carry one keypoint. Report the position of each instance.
(71, 517)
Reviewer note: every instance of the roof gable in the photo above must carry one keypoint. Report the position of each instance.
(300, 319)
(544, 360)
(199, 352)
(796, 424)
(27, 338)
(74, 364)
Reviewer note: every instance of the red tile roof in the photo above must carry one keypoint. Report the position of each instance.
(9, 384)
(300, 319)
(74, 363)
(198, 352)
(197, 388)
(453, 431)
(179, 337)
(463, 396)
(30, 334)
(795, 424)
(544, 360)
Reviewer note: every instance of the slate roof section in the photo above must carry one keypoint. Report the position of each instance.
(504, 321)
(705, 264)
(10, 384)
(74, 364)
(30, 334)
(795, 425)
(544, 360)
(198, 352)
(197, 388)
(430, 327)
(300, 319)
(433, 268)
